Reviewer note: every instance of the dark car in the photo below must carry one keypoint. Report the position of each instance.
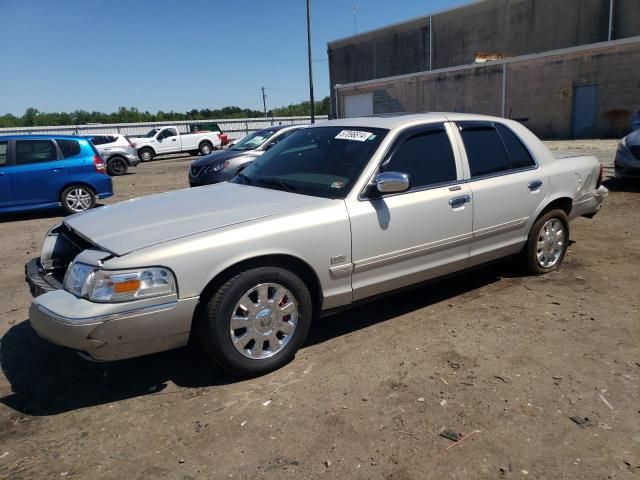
(627, 161)
(224, 165)
(44, 171)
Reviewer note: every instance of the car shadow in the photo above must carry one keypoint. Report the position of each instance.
(32, 215)
(631, 185)
(49, 380)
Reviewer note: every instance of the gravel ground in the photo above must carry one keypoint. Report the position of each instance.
(503, 358)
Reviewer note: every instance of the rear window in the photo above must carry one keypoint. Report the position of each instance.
(98, 140)
(69, 148)
(35, 151)
(485, 150)
(518, 154)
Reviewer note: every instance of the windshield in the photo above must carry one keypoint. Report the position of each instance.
(318, 161)
(151, 133)
(253, 140)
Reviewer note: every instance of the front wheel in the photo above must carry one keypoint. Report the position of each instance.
(256, 321)
(547, 243)
(77, 198)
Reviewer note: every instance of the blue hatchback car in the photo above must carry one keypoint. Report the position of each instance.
(44, 171)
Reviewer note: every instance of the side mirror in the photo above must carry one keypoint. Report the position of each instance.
(392, 182)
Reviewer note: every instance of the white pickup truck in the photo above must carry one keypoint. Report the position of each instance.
(166, 140)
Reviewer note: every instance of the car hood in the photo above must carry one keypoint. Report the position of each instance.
(222, 156)
(633, 138)
(141, 222)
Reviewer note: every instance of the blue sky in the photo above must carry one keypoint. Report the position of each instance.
(63, 55)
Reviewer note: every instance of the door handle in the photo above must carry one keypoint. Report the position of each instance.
(173, 140)
(56, 170)
(534, 185)
(459, 201)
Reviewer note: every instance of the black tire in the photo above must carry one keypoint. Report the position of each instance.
(146, 154)
(205, 148)
(77, 198)
(217, 308)
(117, 166)
(530, 260)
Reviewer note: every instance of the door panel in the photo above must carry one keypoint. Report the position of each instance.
(404, 239)
(503, 206)
(38, 176)
(170, 142)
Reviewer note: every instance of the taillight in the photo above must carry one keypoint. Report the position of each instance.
(132, 145)
(98, 162)
(599, 182)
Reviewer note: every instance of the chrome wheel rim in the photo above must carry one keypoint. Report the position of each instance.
(550, 243)
(206, 150)
(263, 321)
(146, 156)
(78, 199)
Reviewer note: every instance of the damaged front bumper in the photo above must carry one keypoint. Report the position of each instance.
(107, 331)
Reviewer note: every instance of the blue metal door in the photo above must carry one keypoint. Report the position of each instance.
(585, 110)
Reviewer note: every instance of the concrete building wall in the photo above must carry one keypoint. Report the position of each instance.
(539, 91)
(626, 18)
(512, 27)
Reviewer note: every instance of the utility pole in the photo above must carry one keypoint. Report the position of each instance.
(264, 102)
(355, 19)
(313, 106)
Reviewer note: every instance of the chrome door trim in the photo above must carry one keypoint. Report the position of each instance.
(501, 228)
(404, 254)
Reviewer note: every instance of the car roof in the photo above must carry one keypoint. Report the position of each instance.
(391, 122)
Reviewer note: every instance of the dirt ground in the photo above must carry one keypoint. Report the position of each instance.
(504, 358)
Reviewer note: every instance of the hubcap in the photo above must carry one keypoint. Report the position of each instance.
(78, 199)
(206, 150)
(146, 156)
(263, 320)
(550, 243)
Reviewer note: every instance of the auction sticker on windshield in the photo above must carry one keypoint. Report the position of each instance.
(353, 135)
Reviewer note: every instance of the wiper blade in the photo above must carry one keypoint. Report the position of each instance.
(274, 181)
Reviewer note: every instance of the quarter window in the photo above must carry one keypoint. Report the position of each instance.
(35, 151)
(518, 154)
(485, 150)
(427, 157)
(99, 140)
(3, 153)
(69, 148)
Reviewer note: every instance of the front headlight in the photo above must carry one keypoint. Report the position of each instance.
(118, 286)
(216, 167)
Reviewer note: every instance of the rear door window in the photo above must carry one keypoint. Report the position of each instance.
(426, 156)
(98, 140)
(69, 148)
(485, 150)
(35, 151)
(518, 153)
(3, 153)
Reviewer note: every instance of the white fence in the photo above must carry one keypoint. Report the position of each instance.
(234, 128)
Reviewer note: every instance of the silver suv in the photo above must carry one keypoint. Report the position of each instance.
(117, 151)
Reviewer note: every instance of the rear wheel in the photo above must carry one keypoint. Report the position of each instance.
(256, 321)
(77, 198)
(205, 148)
(117, 166)
(547, 243)
(146, 154)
